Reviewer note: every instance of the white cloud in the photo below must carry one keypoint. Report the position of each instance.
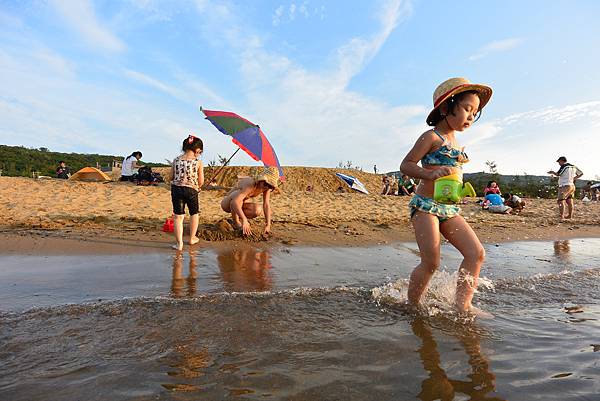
(496, 47)
(145, 79)
(299, 108)
(531, 141)
(80, 16)
(289, 13)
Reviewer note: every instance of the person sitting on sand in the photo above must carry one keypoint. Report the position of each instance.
(62, 171)
(492, 188)
(236, 201)
(188, 177)
(406, 186)
(385, 185)
(514, 202)
(495, 204)
(130, 166)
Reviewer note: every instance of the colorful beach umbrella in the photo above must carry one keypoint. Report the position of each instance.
(353, 182)
(245, 134)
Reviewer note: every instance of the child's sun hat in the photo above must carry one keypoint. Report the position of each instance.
(453, 86)
(270, 176)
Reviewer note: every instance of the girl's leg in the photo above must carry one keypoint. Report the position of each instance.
(194, 219)
(460, 234)
(178, 228)
(428, 239)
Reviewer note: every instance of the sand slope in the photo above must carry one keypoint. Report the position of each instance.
(322, 216)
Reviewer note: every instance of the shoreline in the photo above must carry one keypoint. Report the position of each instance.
(21, 241)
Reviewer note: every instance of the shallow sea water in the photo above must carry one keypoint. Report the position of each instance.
(299, 324)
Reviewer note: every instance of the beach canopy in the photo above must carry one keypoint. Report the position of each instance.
(352, 182)
(89, 174)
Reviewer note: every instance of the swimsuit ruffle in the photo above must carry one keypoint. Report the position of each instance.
(430, 206)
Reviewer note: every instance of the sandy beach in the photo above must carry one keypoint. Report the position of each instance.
(115, 212)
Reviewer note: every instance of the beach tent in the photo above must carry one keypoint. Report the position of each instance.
(352, 182)
(89, 174)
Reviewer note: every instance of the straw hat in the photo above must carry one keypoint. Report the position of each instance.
(269, 175)
(451, 87)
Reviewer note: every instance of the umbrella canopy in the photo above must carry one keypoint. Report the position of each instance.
(353, 182)
(247, 135)
(595, 185)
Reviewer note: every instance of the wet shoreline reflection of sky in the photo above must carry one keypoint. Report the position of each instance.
(298, 323)
(41, 281)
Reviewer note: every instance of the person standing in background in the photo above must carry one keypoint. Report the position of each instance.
(567, 175)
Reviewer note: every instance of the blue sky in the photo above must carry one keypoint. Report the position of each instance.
(328, 81)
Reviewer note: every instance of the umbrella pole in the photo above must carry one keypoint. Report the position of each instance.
(220, 169)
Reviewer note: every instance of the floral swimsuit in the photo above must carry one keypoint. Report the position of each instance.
(445, 155)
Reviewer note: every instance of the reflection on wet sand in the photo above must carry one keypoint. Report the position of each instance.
(178, 282)
(438, 386)
(245, 268)
(562, 250)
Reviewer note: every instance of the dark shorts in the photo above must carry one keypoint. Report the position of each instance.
(126, 178)
(181, 196)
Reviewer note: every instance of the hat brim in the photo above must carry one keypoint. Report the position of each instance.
(484, 91)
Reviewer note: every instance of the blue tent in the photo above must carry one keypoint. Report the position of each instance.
(353, 183)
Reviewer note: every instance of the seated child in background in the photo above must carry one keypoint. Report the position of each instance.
(514, 202)
(492, 188)
(495, 204)
(385, 185)
(406, 185)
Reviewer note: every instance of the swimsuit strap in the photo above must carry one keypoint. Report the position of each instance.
(441, 137)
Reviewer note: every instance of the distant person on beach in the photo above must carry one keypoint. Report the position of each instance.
(457, 104)
(567, 175)
(188, 177)
(130, 166)
(62, 171)
(406, 186)
(492, 188)
(375, 168)
(237, 201)
(514, 202)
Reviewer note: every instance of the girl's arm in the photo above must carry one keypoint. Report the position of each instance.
(200, 174)
(267, 210)
(237, 202)
(409, 165)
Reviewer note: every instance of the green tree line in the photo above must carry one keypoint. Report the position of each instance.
(20, 161)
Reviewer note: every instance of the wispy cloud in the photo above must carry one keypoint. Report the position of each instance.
(496, 47)
(298, 107)
(154, 83)
(81, 17)
(288, 13)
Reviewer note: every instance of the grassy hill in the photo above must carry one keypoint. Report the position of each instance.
(21, 161)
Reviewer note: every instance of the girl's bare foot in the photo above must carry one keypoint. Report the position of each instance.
(194, 240)
(177, 247)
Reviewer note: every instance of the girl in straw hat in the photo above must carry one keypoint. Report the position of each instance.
(457, 104)
(236, 201)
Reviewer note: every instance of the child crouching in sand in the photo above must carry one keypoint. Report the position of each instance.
(188, 177)
(457, 104)
(236, 201)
